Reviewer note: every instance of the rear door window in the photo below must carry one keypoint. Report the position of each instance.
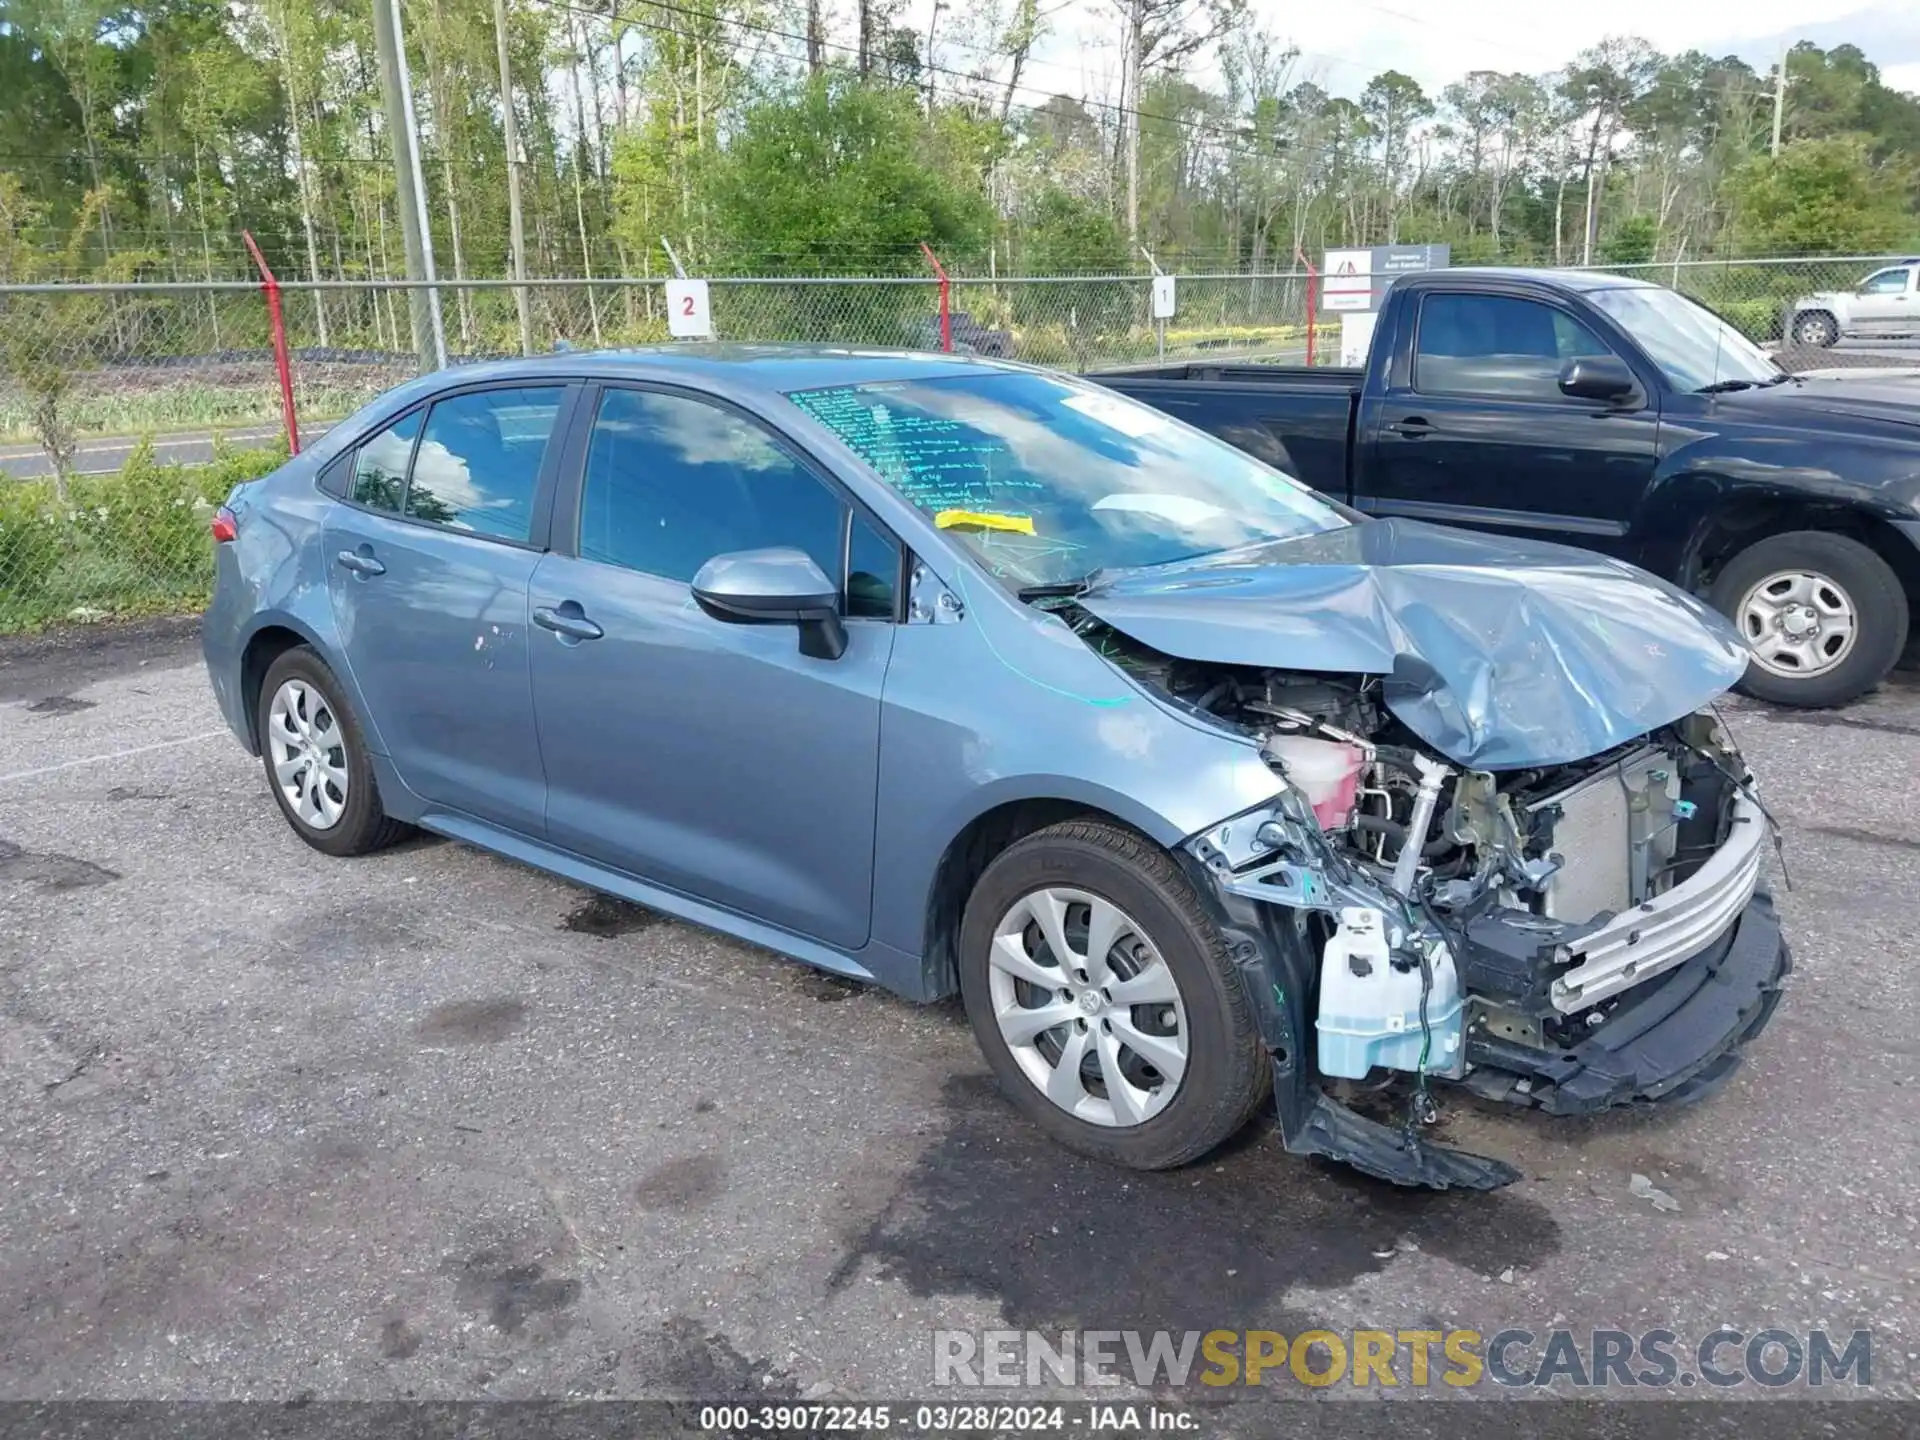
(478, 465)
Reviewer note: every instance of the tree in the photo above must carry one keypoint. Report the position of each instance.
(1600, 86)
(1393, 104)
(1818, 197)
(1159, 35)
(834, 167)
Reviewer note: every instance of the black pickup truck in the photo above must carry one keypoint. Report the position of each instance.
(1621, 417)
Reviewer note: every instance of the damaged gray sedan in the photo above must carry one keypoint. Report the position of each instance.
(1205, 793)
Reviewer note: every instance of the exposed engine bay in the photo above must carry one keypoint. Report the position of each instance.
(1451, 923)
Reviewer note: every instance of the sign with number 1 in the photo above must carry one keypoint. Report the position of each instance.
(688, 317)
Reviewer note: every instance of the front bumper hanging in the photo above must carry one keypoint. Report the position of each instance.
(1706, 962)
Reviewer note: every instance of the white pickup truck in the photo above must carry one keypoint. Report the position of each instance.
(1886, 305)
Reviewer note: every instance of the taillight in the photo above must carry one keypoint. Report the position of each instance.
(226, 527)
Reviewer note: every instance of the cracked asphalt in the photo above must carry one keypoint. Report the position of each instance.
(432, 1125)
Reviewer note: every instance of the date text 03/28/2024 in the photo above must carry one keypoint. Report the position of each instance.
(962, 1418)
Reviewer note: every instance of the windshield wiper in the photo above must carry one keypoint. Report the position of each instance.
(1058, 588)
(1721, 387)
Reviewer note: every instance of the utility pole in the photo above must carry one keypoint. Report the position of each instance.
(1779, 97)
(515, 224)
(1130, 114)
(938, 6)
(429, 336)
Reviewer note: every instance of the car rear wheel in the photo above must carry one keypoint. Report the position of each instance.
(1104, 1000)
(1815, 327)
(316, 762)
(1823, 616)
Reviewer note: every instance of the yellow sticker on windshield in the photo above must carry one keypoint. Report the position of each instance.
(983, 520)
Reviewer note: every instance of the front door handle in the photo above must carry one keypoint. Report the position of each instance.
(1413, 427)
(361, 562)
(566, 620)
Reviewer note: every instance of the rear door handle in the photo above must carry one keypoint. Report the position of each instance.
(1413, 427)
(361, 562)
(566, 619)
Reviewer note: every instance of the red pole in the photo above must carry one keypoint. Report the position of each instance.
(1313, 299)
(946, 297)
(270, 287)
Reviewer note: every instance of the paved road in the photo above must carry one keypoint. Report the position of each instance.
(430, 1124)
(106, 453)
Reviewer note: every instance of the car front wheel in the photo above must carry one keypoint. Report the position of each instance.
(316, 761)
(1823, 616)
(1104, 1000)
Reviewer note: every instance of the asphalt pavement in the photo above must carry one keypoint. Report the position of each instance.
(432, 1125)
(102, 454)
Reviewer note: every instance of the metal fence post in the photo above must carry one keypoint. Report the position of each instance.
(946, 294)
(1313, 298)
(276, 322)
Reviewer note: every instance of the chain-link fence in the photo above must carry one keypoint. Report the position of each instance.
(127, 410)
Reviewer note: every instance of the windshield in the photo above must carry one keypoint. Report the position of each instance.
(1046, 480)
(1692, 346)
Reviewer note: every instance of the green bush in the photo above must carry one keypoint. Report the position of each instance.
(132, 542)
(33, 539)
(147, 517)
(1758, 320)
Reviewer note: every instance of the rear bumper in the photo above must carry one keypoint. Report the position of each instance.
(1675, 1039)
(222, 647)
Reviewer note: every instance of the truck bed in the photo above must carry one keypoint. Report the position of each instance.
(1297, 418)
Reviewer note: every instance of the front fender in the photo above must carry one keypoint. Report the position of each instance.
(1006, 706)
(1707, 473)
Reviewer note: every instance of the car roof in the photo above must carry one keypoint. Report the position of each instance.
(1565, 279)
(729, 367)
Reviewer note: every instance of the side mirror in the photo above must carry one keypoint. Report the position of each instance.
(1597, 377)
(779, 586)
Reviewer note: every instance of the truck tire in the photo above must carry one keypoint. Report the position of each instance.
(1824, 617)
(1815, 327)
(1144, 1055)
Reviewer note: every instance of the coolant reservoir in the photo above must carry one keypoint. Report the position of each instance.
(1370, 1011)
(1327, 772)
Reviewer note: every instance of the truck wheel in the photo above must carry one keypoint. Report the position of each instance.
(1104, 1000)
(1815, 327)
(1823, 616)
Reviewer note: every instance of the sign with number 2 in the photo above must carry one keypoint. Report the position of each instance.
(688, 317)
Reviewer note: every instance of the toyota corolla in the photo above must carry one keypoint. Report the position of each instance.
(1204, 792)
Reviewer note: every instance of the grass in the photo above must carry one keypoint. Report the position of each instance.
(133, 542)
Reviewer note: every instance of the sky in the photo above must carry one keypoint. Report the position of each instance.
(1344, 43)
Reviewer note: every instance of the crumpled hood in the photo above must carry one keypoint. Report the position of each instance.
(1500, 654)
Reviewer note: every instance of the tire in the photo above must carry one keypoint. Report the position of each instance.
(1815, 327)
(1840, 567)
(1226, 1074)
(360, 825)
